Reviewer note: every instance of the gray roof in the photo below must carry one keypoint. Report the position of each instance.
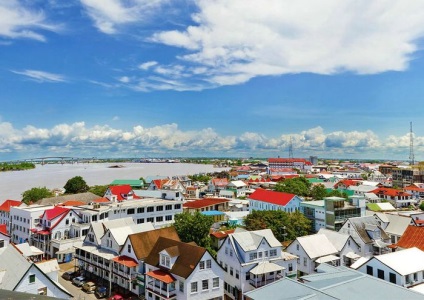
(83, 197)
(397, 224)
(316, 245)
(100, 228)
(361, 224)
(337, 239)
(121, 233)
(10, 257)
(250, 240)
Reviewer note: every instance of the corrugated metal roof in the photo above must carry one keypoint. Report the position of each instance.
(317, 245)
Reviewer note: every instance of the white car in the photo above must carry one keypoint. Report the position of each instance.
(78, 281)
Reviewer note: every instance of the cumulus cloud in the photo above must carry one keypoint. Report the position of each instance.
(110, 14)
(147, 65)
(19, 22)
(41, 76)
(234, 41)
(78, 139)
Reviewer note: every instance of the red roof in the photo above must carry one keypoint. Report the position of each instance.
(413, 188)
(121, 192)
(6, 205)
(390, 192)
(161, 276)
(412, 237)
(73, 203)
(126, 261)
(3, 229)
(222, 234)
(220, 181)
(348, 182)
(289, 160)
(55, 212)
(160, 182)
(204, 202)
(273, 197)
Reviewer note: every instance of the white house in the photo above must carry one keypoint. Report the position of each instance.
(348, 249)
(312, 250)
(238, 187)
(405, 268)
(270, 200)
(19, 274)
(5, 211)
(177, 270)
(252, 259)
(368, 232)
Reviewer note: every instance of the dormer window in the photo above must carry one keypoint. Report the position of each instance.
(165, 261)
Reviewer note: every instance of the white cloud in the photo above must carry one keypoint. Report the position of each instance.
(241, 39)
(19, 22)
(115, 118)
(41, 76)
(147, 65)
(77, 138)
(110, 14)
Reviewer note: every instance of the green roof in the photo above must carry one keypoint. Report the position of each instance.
(314, 180)
(132, 182)
(373, 207)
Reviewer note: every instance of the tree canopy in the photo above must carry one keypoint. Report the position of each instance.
(76, 185)
(299, 186)
(194, 228)
(200, 177)
(35, 194)
(318, 191)
(98, 190)
(284, 226)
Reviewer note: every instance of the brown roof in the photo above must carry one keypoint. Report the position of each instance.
(189, 257)
(412, 237)
(143, 242)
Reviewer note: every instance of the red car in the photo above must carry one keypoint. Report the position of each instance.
(116, 297)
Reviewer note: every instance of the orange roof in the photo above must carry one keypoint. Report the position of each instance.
(6, 205)
(3, 229)
(101, 200)
(73, 203)
(126, 261)
(222, 234)
(412, 237)
(390, 192)
(161, 276)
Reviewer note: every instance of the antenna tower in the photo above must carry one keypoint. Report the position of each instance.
(411, 147)
(291, 148)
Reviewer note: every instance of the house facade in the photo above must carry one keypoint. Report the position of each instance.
(270, 200)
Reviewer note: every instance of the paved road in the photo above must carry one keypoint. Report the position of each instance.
(77, 292)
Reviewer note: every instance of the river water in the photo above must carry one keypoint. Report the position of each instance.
(14, 183)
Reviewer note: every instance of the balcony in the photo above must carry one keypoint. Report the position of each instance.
(257, 282)
(161, 290)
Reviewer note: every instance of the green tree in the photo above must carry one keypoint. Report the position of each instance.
(35, 194)
(200, 177)
(318, 191)
(299, 186)
(144, 181)
(98, 190)
(337, 193)
(284, 226)
(76, 185)
(194, 228)
(422, 205)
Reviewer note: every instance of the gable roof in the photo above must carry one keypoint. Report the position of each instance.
(121, 191)
(361, 224)
(100, 228)
(404, 262)
(73, 203)
(121, 233)
(220, 182)
(390, 192)
(316, 245)
(273, 197)
(55, 212)
(412, 237)
(6, 205)
(186, 262)
(337, 239)
(143, 242)
(3, 229)
(10, 257)
(251, 240)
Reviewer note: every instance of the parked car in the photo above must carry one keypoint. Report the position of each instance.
(89, 287)
(69, 275)
(116, 297)
(78, 281)
(101, 291)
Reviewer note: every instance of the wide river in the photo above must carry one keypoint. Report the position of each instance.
(14, 183)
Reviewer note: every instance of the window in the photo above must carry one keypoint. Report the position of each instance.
(247, 276)
(1, 243)
(370, 271)
(290, 267)
(165, 260)
(150, 209)
(392, 278)
(31, 278)
(231, 271)
(168, 207)
(140, 210)
(380, 274)
(177, 206)
(215, 282)
(130, 211)
(237, 274)
(67, 222)
(253, 256)
(260, 254)
(266, 253)
(209, 264)
(205, 284)
(94, 218)
(231, 252)
(297, 247)
(202, 265)
(168, 218)
(415, 277)
(129, 248)
(159, 219)
(273, 252)
(194, 287)
(304, 261)
(159, 208)
(181, 286)
(151, 219)
(139, 221)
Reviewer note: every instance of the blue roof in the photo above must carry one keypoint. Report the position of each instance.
(212, 213)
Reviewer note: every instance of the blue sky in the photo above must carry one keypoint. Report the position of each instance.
(154, 78)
